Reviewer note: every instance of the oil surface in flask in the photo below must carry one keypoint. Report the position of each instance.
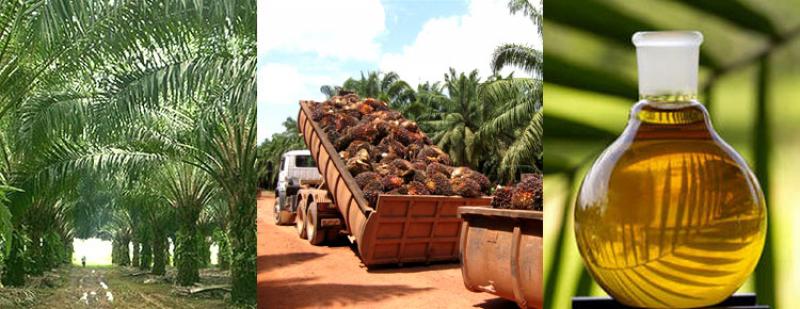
(670, 216)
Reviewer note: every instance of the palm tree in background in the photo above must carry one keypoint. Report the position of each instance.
(429, 97)
(188, 190)
(387, 87)
(518, 115)
(271, 150)
(457, 119)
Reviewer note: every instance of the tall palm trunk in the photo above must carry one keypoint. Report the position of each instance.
(52, 248)
(147, 255)
(15, 262)
(136, 258)
(242, 236)
(69, 250)
(124, 252)
(204, 251)
(187, 259)
(159, 255)
(114, 251)
(36, 252)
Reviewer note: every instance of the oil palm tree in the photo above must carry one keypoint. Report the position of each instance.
(515, 124)
(188, 190)
(428, 98)
(227, 152)
(271, 150)
(518, 101)
(387, 87)
(456, 121)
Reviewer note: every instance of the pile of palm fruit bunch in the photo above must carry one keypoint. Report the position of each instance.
(388, 154)
(526, 195)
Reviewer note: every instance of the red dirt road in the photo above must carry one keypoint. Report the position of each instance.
(294, 274)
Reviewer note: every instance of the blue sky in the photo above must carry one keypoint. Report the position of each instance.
(306, 44)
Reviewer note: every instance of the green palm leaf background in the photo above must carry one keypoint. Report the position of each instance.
(750, 69)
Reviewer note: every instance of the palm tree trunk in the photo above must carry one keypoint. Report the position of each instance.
(135, 260)
(242, 236)
(36, 253)
(159, 255)
(147, 256)
(52, 250)
(69, 250)
(204, 251)
(114, 251)
(15, 262)
(124, 252)
(187, 259)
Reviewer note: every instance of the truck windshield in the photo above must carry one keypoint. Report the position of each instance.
(304, 161)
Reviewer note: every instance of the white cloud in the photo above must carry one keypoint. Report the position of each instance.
(339, 29)
(464, 42)
(281, 86)
(279, 83)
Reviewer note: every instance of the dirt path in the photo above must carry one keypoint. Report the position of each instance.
(294, 274)
(109, 287)
(87, 288)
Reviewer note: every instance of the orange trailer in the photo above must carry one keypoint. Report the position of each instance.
(400, 229)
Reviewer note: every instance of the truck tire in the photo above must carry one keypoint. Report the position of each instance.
(316, 236)
(281, 217)
(300, 219)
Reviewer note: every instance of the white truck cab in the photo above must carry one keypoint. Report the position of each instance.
(297, 169)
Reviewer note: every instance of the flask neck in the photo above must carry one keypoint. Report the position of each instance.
(652, 120)
(677, 99)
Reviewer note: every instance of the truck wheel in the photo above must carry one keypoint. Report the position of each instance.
(316, 236)
(282, 217)
(277, 213)
(300, 219)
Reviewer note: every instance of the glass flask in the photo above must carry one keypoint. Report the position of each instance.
(669, 215)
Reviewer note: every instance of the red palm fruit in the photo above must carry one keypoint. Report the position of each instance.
(438, 184)
(436, 167)
(465, 187)
(366, 177)
(528, 193)
(416, 188)
(502, 197)
(391, 182)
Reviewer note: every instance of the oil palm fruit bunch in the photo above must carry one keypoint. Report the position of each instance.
(526, 195)
(388, 154)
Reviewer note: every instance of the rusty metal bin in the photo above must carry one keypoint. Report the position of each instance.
(501, 253)
(413, 229)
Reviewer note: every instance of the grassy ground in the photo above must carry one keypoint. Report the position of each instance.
(110, 287)
(731, 113)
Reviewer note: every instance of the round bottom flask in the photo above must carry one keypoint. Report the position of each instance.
(670, 216)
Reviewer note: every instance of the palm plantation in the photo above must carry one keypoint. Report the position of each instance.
(130, 121)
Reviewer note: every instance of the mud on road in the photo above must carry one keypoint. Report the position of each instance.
(294, 274)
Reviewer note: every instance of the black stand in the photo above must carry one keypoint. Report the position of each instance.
(738, 301)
